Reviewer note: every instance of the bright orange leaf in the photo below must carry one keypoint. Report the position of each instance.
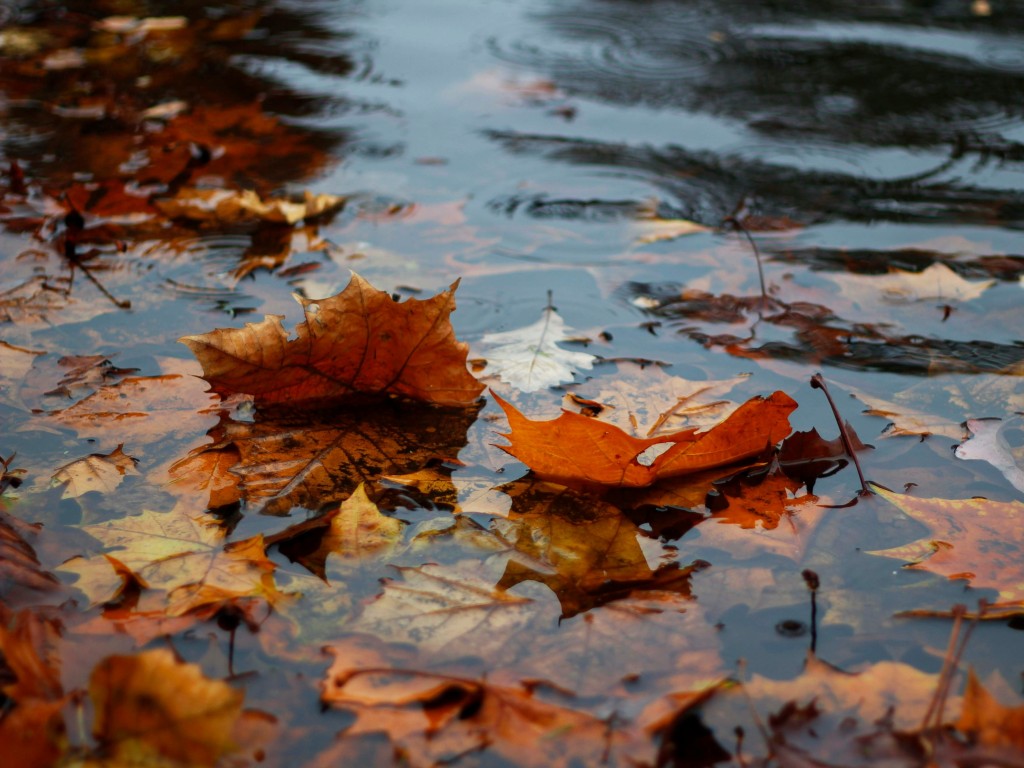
(576, 449)
(358, 344)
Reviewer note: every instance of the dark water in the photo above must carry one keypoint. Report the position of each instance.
(519, 145)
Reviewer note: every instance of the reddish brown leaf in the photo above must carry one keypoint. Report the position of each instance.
(359, 343)
(575, 449)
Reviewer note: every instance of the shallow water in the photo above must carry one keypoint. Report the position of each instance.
(518, 145)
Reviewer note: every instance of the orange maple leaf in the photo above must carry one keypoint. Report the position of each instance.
(358, 344)
(575, 449)
(972, 539)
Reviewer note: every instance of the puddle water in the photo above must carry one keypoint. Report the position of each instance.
(528, 148)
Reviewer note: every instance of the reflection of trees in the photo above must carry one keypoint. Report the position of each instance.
(79, 91)
(839, 78)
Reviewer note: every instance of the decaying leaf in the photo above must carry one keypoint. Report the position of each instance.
(972, 539)
(905, 420)
(152, 708)
(96, 472)
(987, 442)
(227, 207)
(937, 282)
(187, 556)
(15, 362)
(435, 607)
(19, 565)
(432, 717)
(354, 530)
(646, 401)
(357, 344)
(575, 449)
(140, 411)
(530, 359)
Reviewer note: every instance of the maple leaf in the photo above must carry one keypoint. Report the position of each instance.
(937, 281)
(577, 449)
(646, 401)
(151, 706)
(187, 556)
(987, 442)
(139, 411)
(354, 530)
(356, 344)
(226, 207)
(96, 472)
(530, 359)
(969, 539)
(431, 717)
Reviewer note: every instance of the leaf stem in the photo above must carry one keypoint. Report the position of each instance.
(818, 382)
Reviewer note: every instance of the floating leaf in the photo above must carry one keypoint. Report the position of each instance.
(359, 343)
(96, 472)
(987, 442)
(577, 449)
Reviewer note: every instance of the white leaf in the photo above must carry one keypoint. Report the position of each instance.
(530, 359)
(988, 443)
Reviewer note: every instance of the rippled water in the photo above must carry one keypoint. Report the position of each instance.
(521, 145)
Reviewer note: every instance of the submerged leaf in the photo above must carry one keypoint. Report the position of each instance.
(988, 443)
(530, 359)
(96, 472)
(973, 539)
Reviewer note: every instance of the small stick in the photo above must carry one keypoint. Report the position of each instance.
(813, 582)
(757, 254)
(818, 382)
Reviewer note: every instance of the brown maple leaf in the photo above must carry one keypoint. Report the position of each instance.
(358, 344)
(575, 449)
(971, 539)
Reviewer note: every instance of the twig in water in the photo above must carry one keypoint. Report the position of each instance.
(818, 382)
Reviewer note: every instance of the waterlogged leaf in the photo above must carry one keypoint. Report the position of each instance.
(357, 529)
(141, 411)
(937, 282)
(186, 556)
(305, 462)
(19, 565)
(15, 363)
(655, 229)
(585, 551)
(227, 207)
(433, 717)
(905, 420)
(575, 449)
(437, 608)
(96, 472)
(977, 540)
(359, 343)
(987, 442)
(646, 401)
(530, 359)
(151, 708)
